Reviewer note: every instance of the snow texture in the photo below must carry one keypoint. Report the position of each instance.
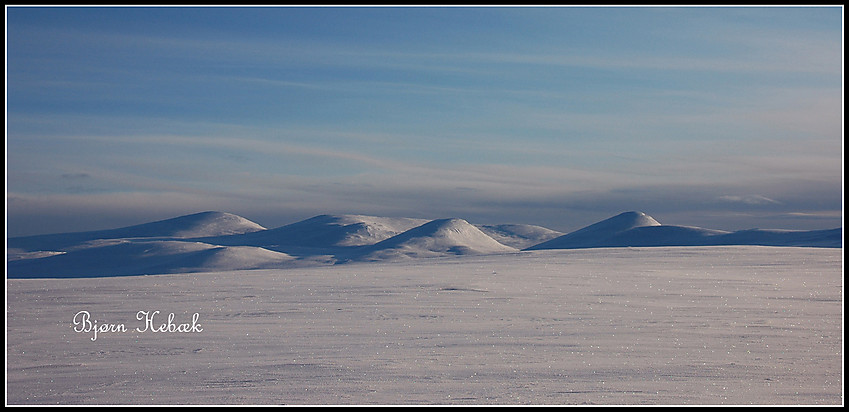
(718, 325)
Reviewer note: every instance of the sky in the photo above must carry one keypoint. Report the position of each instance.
(719, 117)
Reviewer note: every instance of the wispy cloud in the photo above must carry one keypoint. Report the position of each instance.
(749, 200)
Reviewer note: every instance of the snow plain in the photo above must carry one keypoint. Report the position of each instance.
(706, 325)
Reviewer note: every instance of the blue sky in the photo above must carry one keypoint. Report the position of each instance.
(725, 117)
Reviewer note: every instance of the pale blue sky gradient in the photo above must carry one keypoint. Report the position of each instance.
(725, 117)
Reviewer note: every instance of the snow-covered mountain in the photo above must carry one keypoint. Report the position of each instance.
(436, 238)
(215, 241)
(596, 235)
(324, 233)
(196, 225)
(635, 229)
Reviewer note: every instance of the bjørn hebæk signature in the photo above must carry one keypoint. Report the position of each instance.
(83, 323)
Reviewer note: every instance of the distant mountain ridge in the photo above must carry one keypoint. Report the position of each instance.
(217, 241)
(325, 231)
(201, 224)
(636, 229)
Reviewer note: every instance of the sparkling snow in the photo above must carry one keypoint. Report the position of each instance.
(667, 325)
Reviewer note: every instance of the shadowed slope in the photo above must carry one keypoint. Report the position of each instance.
(126, 258)
(638, 229)
(202, 224)
(519, 236)
(596, 234)
(765, 237)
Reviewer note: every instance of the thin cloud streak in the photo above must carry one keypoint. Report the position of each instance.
(698, 164)
(778, 53)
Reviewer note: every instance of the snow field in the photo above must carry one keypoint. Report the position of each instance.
(688, 325)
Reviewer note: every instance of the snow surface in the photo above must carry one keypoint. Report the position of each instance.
(626, 326)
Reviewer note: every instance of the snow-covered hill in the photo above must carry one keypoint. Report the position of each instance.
(638, 229)
(596, 234)
(326, 233)
(125, 257)
(196, 225)
(215, 241)
(436, 238)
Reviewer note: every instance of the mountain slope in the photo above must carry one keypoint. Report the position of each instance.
(638, 229)
(202, 224)
(436, 238)
(519, 236)
(327, 233)
(127, 257)
(597, 234)
(662, 235)
(803, 238)
(168, 246)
